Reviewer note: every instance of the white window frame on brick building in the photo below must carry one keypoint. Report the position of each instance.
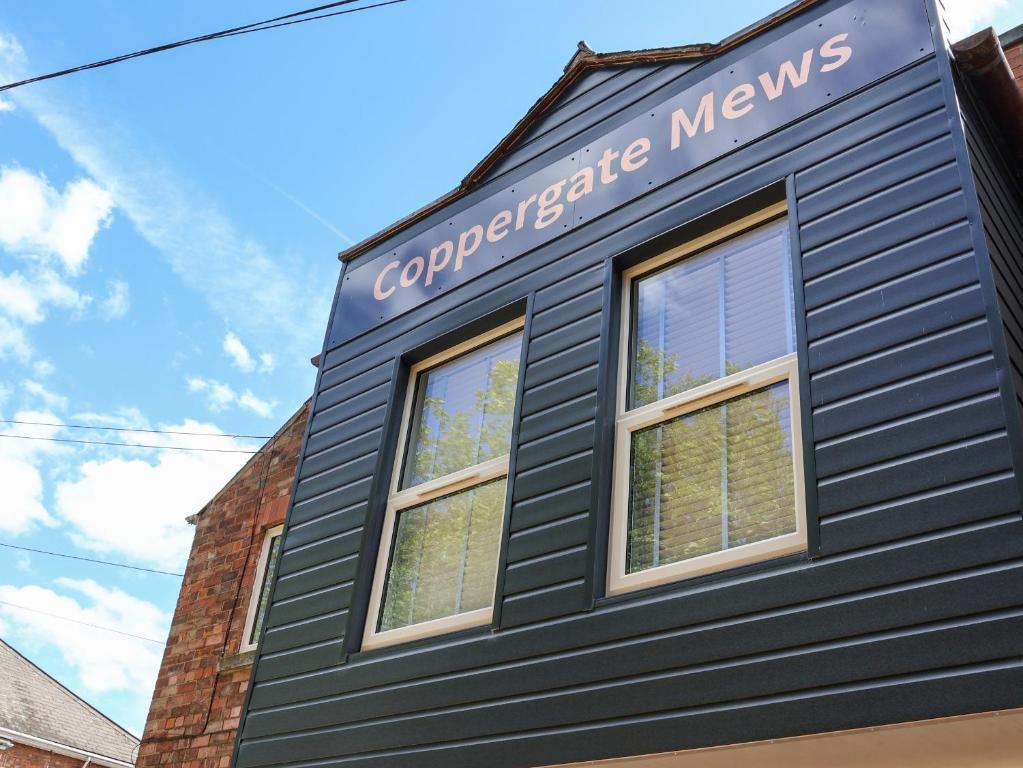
(259, 584)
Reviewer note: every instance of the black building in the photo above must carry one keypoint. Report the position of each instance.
(690, 419)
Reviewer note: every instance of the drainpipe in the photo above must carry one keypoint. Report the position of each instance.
(87, 763)
(982, 61)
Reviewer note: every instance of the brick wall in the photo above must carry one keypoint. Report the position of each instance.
(23, 756)
(1012, 44)
(203, 677)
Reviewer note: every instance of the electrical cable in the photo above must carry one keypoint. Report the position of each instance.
(130, 429)
(83, 623)
(258, 26)
(128, 445)
(89, 559)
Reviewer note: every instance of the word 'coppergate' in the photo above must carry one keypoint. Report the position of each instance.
(739, 102)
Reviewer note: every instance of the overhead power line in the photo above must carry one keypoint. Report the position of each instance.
(127, 445)
(130, 429)
(83, 623)
(298, 17)
(89, 559)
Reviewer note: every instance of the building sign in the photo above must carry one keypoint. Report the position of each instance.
(736, 103)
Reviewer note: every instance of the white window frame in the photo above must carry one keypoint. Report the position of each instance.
(726, 388)
(399, 499)
(257, 587)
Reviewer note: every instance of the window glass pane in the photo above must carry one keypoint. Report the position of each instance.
(710, 480)
(463, 412)
(444, 559)
(273, 555)
(711, 315)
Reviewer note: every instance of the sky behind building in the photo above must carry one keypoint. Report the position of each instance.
(168, 232)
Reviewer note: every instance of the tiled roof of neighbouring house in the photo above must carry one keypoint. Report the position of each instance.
(34, 704)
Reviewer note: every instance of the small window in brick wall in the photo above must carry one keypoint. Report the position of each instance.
(269, 556)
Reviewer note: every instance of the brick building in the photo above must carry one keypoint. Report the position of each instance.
(1012, 44)
(45, 725)
(205, 670)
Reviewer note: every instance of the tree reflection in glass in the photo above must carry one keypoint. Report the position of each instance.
(463, 412)
(444, 557)
(721, 476)
(444, 553)
(713, 479)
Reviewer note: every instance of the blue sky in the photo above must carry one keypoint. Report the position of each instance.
(168, 232)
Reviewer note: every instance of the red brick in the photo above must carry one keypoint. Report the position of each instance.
(193, 717)
(1014, 54)
(22, 756)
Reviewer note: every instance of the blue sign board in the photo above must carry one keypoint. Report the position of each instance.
(824, 60)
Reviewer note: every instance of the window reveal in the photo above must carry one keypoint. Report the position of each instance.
(707, 450)
(437, 566)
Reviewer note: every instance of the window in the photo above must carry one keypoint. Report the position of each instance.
(437, 566)
(266, 568)
(707, 441)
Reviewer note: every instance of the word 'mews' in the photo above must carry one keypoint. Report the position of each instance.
(542, 209)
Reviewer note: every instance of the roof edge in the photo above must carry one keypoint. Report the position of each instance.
(193, 518)
(70, 693)
(1011, 36)
(583, 60)
(67, 750)
(981, 58)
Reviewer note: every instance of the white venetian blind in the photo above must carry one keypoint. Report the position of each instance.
(444, 558)
(463, 412)
(711, 480)
(721, 476)
(716, 313)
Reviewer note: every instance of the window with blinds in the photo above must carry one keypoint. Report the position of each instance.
(437, 566)
(707, 451)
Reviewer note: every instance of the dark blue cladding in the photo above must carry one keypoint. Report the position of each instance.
(726, 108)
(911, 605)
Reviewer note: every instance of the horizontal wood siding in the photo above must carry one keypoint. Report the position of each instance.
(1001, 207)
(599, 98)
(914, 606)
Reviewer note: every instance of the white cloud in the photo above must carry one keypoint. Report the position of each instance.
(252, 289)
(245, 284)
(267, 362)
(22, 506)
(22, 493)
(102, 661)
(14, 343)
(136, 507)
(18, 300)
(238, 353)
(249, 402)
(50, 399)
(51, 233)
(36, 219)
(6, 105)
(243, 360)
(221, 396)
(43, 368)
(24, 298)
(965, 17)
(125, 416)
(117, 302)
